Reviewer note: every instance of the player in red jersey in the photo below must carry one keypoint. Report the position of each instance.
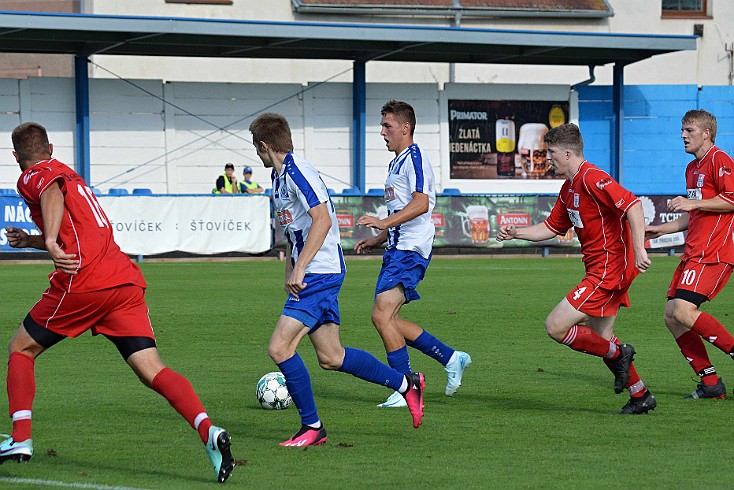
(609, 222)
(708, 256)
(95, 286)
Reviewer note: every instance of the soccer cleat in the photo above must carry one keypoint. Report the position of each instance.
(414, 397)
(620, 366)
(217, 447)
(395, 400)
(19, 451)
(456, 371)
(716, 392)
(640, 405)
(306, 436)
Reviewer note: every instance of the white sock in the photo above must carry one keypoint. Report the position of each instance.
(453, 358)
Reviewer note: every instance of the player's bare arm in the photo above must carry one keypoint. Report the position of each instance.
(715, 205)
(636, 219)
(417, 206)
(366, 245)
(535, 233)
(18, 238)
(655, 231)
(320, 225)
(52, 210)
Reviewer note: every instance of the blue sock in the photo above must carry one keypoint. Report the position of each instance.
(366, 366)
(399, 360)
(431, 346)
(299, 386)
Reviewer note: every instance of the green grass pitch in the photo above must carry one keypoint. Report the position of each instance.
(530, 414)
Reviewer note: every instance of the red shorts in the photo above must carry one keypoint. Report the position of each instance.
(595, 301)
(119, 312)
(704, 279)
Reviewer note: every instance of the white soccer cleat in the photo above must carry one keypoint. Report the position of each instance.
(395, 400)
(456, 371)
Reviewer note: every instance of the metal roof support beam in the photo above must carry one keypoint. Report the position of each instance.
(617, 132)
(83, 164)
(359, 125)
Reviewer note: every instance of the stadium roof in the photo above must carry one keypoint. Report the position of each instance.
(86, 34)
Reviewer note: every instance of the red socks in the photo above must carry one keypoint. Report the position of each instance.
(21, 384)
(181, 395)
(583, 339)
(710, 329)
(694, 350)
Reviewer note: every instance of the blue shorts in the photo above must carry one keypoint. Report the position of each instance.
(318, 303)
(402, 267)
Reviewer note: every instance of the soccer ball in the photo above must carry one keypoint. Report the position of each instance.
(272, 392)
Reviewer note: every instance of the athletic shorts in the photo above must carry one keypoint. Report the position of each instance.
(589, 298)
(118, 312)
(318, 303)
(704, 279)
(402, 267)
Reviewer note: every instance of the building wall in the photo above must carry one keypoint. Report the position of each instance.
(708, 65)
(182, 144)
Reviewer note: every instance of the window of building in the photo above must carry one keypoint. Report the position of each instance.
(685, 8)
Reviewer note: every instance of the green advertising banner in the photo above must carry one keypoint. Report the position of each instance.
(472, 221)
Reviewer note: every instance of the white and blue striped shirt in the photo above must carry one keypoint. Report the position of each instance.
(410, 172)
(296, 190)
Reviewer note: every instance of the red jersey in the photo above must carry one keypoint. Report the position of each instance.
(596, 206)
(709, 233)
(85, 230)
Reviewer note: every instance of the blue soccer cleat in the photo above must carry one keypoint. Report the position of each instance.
(19, 451)
(217, 447)
(456, 371)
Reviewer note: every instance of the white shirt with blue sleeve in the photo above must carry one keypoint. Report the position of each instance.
(410, 172)
(296, 190)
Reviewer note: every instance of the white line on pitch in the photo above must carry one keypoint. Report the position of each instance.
(52, 483)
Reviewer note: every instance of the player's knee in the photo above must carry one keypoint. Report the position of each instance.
(554, 330)
(279, 353)
(682, 313)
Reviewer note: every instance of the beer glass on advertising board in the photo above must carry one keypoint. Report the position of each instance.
(532, 149)
(475, 223)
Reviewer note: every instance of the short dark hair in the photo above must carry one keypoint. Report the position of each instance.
(402, 111)
(703, 119)
(30, 141)
(274, 130)
(567, 137)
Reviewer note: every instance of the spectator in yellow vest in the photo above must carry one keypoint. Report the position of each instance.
(227, 182)
(249, 186)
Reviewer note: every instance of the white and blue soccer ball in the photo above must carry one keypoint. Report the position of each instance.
(272, 392)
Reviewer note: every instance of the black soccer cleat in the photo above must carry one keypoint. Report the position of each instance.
(620, 366)
(716, 392)
(637, 406)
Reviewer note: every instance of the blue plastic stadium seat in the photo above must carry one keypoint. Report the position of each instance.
(118, 191)
(376, 192)
(451, 191)
(331, 191)
(96, 191)
(351, 191)
(8, 192)
(268, 192)
(142, 191)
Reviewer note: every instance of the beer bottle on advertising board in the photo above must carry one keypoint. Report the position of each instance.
(505, 144)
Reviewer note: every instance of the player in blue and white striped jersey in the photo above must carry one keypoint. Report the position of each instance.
(314, 275)
(408, 229)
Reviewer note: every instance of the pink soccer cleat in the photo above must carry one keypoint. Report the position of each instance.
(306, 436)
(414, 397)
